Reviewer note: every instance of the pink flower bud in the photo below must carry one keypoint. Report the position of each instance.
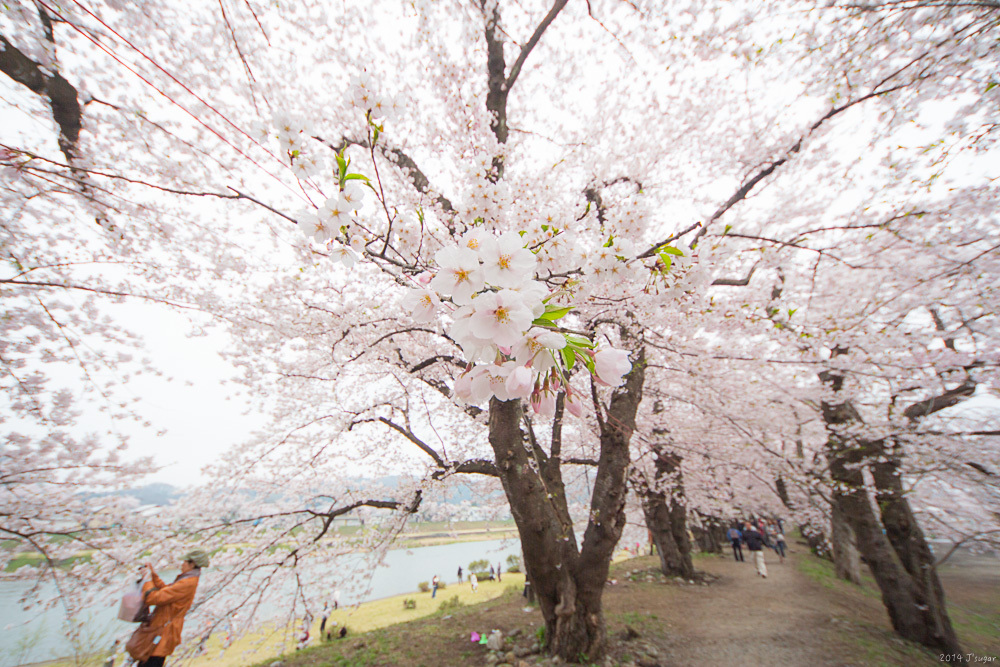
(611, 365)
(574, 404)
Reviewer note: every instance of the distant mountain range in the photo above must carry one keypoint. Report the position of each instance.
(151, 494)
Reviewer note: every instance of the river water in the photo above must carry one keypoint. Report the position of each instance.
(28, 637)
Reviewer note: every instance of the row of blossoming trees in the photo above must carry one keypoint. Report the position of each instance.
(729, 258)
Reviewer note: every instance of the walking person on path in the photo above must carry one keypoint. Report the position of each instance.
(474, 581)
(498, 573)
(736, 537)
(780, 545)
(459, 574)
(772, 536)
(755, 543)
(157, 638)
(322, 622)
(434, 586)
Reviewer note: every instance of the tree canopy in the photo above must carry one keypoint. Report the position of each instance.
(750, 246)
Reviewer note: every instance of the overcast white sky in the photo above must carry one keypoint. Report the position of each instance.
(201, 414)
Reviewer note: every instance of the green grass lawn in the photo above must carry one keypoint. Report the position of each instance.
(976, 619)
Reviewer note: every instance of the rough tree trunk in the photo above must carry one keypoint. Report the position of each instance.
(710, 534)
(913, 614)
(782, 488)
(666, 515)
(568, 582)
(906, 537)
(846, 559)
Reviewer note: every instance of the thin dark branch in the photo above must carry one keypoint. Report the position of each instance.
(737, 282)
(515, 70)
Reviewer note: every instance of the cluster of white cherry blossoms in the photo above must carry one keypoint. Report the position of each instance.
(338, 216)
(503, 317)
(506, 325)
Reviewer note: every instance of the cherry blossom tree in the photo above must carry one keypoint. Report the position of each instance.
(440, 233)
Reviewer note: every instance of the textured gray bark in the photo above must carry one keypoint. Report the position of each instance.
(60, 94)
(666, 515)
(915, 609)
(846, 559)
(568, 581)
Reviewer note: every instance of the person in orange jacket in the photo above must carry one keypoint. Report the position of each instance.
(172, 602)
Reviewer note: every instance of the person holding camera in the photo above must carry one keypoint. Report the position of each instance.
(158, 636)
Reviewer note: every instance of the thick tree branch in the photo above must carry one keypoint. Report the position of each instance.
(515, 70)
(329, 516)
(472, 466)
(946, 400)
(499, 81)
(62, 96)
(580, 462)
(436, 358)
(736, 282)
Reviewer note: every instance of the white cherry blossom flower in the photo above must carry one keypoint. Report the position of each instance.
(337, 210)
(535, 349)
(344, 255)
(314, 227)
(506, 262)
(422, 304)
(353, 193)
(460, 276)
(500, 317)
(361, 92)
(520, 380)
(474, 239)
(463, 385)
(385, 107)
(475, 349)
(358, 243)
(492, 381)
(533, 293)
(306, 166)
(624, 248)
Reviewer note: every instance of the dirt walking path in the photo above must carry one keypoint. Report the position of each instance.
(784, 619)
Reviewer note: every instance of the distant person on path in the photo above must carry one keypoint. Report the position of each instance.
(498, 573)
(736, 537)
(157, 638)
(755, 543)
(459, 574)
(322, 622)
(474, 581)
(780, 545)
(434, 586)
(493, 573)
(772, 536)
